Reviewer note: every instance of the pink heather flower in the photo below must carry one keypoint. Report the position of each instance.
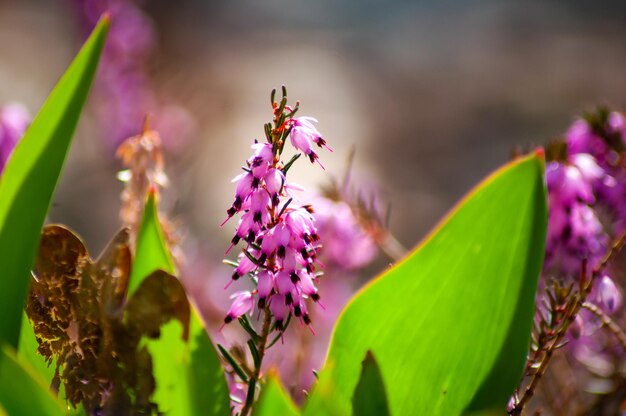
(14, 119)
(301, 223)
(245, 266)
(275, 241)
(580, 138)
(307, 285)
(284, 286)
(342, 233)
(259, 206)
(260, 161)
(244, 188)
(303, 134)
(589, 184)
(282, 236)
(274, 180)
(574, 230)
(617, 124)
(265, 285)
(279, 309)
(609, 295)
(247, 228)
(588, 168)
(242, 303)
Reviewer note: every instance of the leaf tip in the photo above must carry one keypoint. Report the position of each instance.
(272, 373)
(152, 194)
(105, 18)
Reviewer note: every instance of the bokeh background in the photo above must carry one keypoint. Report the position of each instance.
(432, 96)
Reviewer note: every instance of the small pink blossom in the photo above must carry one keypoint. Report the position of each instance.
(303, 134)
(242, 303)
(609, 295)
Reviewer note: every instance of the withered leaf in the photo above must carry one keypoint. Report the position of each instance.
(159, 298)
(85, 325)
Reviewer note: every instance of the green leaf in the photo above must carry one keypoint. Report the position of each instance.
(188, 374)
(152, 252)
(22, 392)
(189, 377)
(450, 325)
(369, 397)
(31, 175)
(274, 400)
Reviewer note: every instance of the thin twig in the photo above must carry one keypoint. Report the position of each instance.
(570, 315)
(607, 323)
(529, 391)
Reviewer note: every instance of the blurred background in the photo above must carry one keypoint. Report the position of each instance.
(432, 96)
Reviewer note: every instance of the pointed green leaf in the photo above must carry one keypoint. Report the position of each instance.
(370, 398)
(450, 324)
(189, 376)
(152, 252)
(22, 392)
(29, 179)
(274, 400)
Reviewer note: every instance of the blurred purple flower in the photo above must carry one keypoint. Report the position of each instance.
(603, 136)
(123, 85)
(587, 208)
(609, 296)
(342, 234)
(14, 119)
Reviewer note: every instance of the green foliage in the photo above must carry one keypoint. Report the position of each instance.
(370, 398)
(152, 252)
(274, 400)
(188, 374)
(22, 392)
(30, 177)
(450, 325)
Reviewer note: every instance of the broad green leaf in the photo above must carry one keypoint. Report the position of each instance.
(189, 376)
(369, 397)
(450, 324)
(22, 392)
(31, 175)
(152, 252)
(274, 400)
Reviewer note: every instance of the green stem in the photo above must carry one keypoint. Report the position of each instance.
(261, 347)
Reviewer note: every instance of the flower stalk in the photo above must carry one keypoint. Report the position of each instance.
(280, 237)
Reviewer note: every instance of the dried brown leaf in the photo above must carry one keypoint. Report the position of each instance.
(83, 322)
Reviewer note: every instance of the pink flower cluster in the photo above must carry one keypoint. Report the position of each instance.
(574, 230)
(281, 238)
(587, 206)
